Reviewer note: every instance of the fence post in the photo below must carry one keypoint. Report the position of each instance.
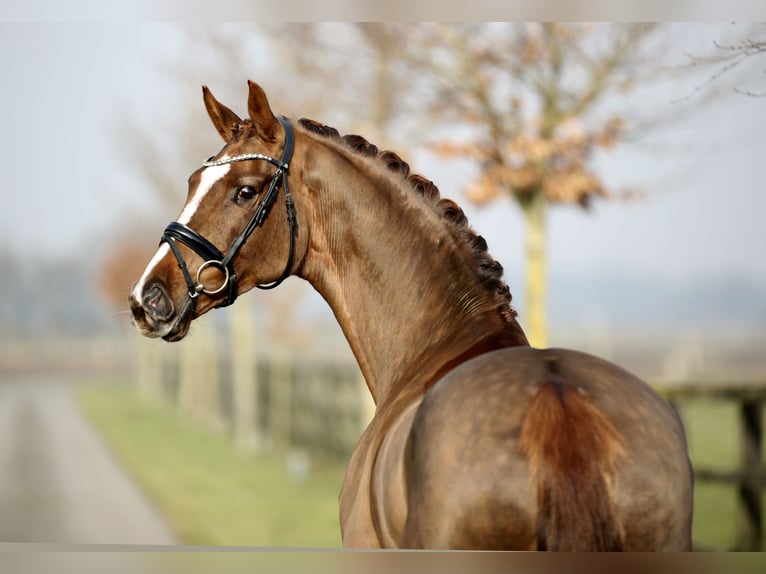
(198, 380)
(149, 372)
(751, 441)
(244, 377)
(280, 391)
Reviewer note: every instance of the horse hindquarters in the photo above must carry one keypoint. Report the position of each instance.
(538, 482)
(525, 449)
(466, 481)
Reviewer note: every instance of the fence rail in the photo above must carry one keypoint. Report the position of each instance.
(279, 402)
(321, 407)
(750, 478)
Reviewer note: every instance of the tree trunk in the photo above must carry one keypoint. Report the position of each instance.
(535, 272)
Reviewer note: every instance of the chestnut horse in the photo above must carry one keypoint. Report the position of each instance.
(478, 441)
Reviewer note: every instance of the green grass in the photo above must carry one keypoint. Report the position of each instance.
(712, 433)
(210, 493)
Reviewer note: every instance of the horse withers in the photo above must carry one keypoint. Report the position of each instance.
(478, 441)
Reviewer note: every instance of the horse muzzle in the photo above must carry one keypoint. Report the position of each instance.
(155, 315)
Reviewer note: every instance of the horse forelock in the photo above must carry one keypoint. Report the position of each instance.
(488, 270)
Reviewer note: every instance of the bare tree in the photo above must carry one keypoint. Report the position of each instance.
(362, 79)
(531, 95)
(730, 55)
(529, 99)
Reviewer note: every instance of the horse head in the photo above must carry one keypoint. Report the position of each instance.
(230, 235)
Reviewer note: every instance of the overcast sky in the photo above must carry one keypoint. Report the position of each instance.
(67, 182)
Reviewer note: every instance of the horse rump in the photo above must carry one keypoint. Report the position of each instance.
(572, 449)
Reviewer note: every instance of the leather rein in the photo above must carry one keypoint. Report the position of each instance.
(213, 257)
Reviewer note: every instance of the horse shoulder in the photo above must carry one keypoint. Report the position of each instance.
(389, 487)
(372, 499)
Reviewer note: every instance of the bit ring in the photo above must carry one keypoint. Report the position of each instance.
(219, 265)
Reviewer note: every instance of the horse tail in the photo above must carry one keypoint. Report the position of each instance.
(571, 447)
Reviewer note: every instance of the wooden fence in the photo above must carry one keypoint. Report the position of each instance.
(749, 478)
(278, 400)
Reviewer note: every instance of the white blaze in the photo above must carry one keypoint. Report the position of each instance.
(209, 177)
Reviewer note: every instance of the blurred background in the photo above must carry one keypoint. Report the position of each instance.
(615, 170)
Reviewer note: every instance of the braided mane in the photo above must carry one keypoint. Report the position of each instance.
(489, 271)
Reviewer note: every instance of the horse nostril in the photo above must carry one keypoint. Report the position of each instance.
(136, 309)
(157, 303)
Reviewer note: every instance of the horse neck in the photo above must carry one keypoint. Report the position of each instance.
(398, 281)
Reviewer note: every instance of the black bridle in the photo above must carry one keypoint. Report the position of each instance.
(213, 257)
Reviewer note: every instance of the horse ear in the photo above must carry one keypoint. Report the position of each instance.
(224, 120)
(260, 112)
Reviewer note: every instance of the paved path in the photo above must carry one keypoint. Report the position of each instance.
(58, 481)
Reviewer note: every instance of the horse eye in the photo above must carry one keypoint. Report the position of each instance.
(246, 193)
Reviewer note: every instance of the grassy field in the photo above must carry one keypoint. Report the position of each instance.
(711, 428)
(214, 495)
(210, 493)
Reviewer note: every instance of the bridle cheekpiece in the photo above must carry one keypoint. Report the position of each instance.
(212, 256)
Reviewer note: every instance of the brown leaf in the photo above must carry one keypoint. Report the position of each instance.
(484, 190)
